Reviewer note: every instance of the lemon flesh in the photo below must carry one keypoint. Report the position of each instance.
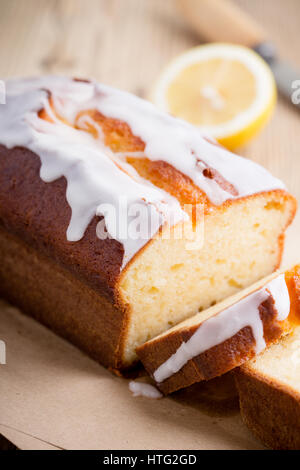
(228, 91)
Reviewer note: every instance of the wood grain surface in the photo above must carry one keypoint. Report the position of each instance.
(126, 43)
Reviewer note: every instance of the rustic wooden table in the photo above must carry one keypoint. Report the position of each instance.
(126, 43)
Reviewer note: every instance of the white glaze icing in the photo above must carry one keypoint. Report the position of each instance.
(227, 323)
(94, 180)
(140, 389)
(279, 291)
(90, 168)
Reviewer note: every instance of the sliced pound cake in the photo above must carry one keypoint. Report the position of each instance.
(78, 162)
(226, 335)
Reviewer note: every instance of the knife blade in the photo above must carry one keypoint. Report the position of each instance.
(286, 76)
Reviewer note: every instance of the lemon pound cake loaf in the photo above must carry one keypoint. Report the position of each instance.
(269, 391)
(226, 335)
(118, 221)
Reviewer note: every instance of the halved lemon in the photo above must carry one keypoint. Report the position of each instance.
(226, 90)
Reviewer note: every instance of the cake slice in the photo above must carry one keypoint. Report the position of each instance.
(118, 221)
(226, 335)
(269, 391)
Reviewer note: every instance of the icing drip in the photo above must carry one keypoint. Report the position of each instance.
(140, 389)
(280, 294)
(227, 323)
(96, 176)
(95, 182)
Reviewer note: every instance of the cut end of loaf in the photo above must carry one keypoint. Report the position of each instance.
(166, 283)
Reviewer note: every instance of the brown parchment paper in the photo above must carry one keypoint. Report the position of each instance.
(53, 396)
(24, 441)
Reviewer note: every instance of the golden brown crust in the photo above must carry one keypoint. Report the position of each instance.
(38, 213)
(292, 279)
(55, 297)
(270, 409)
(215, 361)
